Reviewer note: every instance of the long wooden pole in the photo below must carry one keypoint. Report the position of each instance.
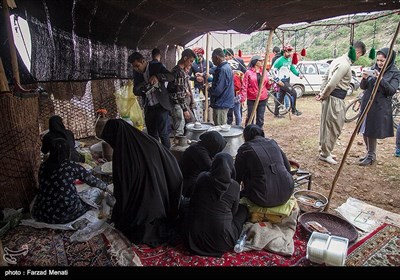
(3, 79)
(207, 73)
(11, 45)
(362, 117)
(260, 86)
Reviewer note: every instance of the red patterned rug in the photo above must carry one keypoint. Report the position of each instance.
(179, 255)
(27, 246)
(379, 248)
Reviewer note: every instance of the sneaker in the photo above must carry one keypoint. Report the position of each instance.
(397, 153)
(328, 159)
(297, 113)
(279, 116)
(332, 155)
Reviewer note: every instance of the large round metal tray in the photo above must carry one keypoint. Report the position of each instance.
(334, 224)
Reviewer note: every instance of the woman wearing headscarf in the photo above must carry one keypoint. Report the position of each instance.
(250, 86)
(58, 201)
(58, 130)
(147, 184)
(378, 123)
(264, 169)
(215, 216)
(198, 158)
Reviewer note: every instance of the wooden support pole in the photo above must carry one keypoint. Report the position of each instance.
(362, 118)
(267, 47)
(207, 73)
(11, 45)
(3, 79)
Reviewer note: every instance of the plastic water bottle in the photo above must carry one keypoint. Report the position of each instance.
(240, 243)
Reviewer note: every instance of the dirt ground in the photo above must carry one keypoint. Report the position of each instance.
(298, 137)
(377, 185)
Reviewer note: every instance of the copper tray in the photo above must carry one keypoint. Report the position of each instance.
(334, 224)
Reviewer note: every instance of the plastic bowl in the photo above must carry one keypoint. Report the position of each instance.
(310, 201)
(225, 127)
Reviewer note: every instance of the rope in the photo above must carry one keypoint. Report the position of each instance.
(338, 23)
(188, 46)
(351, 34)
(224, 48)
(373, 38)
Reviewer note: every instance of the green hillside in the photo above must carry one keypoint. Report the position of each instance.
(322, 42)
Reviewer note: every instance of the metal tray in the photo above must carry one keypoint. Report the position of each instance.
(334, 224)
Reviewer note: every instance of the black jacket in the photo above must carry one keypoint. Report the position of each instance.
(163, 75)
(379, 120)
(264, 169)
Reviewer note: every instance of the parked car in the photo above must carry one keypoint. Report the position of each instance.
(313, 71)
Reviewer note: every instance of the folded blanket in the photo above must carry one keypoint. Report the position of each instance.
(276, 238)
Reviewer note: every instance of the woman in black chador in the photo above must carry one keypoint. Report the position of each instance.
(215, 216)
(58, 201)
(198, 158)
(147, 184)
(264, 169)
(58, 130)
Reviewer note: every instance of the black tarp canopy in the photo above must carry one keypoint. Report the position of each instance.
(148, 23)
(86, 39)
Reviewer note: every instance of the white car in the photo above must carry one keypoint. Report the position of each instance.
(313, 71)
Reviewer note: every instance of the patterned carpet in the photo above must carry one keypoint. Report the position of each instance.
(180, 256)
(27, 246)
(379, 248)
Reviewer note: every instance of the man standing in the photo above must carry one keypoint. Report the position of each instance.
(198, 70)
(222, 89)
(236, 62)
(150, 79)
(333, 91)
(277, 54)
(281, 69)
(238, 68)
(155, 55)
(179, 90)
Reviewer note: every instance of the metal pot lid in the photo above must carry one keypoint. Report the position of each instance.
(234, 131)
(204, 127)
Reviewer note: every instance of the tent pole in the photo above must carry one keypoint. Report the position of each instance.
(362, 118)
(267, 47)
(207, 73)
(11, 45)
(3, 79)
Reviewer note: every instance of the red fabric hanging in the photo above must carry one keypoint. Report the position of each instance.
(303, 52)
(295, 58)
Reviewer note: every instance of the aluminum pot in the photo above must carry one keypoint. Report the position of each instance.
(234, 136)
(194, 130)
(179, 146)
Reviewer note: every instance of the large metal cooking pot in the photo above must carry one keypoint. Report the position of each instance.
(233, 136)
(194, 130)
(179, 146)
